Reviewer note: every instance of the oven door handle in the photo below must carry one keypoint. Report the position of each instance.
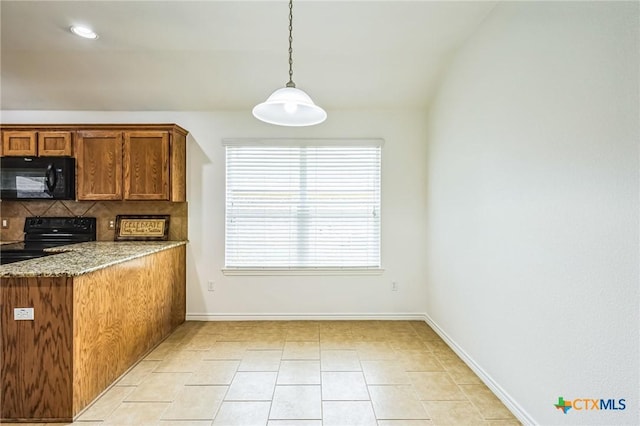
(51, 178)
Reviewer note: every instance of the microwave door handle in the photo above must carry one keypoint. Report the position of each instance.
(51, 178)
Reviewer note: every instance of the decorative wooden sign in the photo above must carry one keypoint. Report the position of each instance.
(142, 227)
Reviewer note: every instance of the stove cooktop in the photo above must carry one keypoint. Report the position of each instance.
(46, 232)
(7, 257)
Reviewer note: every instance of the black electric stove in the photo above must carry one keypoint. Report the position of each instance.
(46, 232)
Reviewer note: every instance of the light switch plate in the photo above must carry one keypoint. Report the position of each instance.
(23, 314)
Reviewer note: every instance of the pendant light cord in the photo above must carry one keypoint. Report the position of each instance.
(291, 83)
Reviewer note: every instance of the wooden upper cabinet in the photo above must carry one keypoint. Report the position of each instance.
(31, 143)
(55, 143)
(99, 165)
(113, 161)
(146, 165)
(19, 143)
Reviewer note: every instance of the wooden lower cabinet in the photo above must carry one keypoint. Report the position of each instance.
(88, 330)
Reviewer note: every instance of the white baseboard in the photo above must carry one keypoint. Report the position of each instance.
(298, 317)
(502, 395)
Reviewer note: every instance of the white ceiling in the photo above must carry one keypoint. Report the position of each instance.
(227, 55)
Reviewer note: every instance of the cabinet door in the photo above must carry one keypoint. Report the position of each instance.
(99, 165)
(19, 143)
(146, 165)
(54, 144)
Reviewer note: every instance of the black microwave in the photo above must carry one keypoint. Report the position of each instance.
(37, 178)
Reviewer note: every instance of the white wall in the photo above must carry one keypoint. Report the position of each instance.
(533, 206)
(403, 210)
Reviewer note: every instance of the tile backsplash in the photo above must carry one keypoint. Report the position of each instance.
(104, 211)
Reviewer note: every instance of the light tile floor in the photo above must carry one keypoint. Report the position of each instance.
(286, 373)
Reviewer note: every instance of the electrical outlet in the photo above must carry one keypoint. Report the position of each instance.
(112, 224)
(22, 314)
(5, 223)
(210, 286)
(394, 286)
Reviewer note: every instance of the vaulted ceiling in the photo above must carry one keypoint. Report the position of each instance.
(227, 55)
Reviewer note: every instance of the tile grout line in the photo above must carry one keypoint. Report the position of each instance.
(364, 378)
(226, 392)
(275, 384)
(385, 336)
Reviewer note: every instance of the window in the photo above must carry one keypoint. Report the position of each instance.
(294, 204)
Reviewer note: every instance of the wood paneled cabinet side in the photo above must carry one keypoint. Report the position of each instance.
(19, 143)
(99, 165)
(88, 331)
(178, 168)
(146, 165)
(37, 356)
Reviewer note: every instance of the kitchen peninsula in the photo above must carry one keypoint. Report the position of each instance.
(75, 320)
(98, 307)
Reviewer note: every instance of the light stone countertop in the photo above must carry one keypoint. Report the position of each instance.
(78, 259)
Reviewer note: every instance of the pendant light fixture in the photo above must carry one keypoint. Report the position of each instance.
(290, 106)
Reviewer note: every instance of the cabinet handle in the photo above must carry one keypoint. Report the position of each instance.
(51, 178)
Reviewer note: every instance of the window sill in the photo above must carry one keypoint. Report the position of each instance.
(301, 271)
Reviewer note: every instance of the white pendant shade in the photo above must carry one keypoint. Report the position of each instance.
(289, 107)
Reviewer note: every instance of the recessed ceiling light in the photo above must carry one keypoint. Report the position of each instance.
(83, 32)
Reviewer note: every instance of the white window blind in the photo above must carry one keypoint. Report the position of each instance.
(303, 204)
